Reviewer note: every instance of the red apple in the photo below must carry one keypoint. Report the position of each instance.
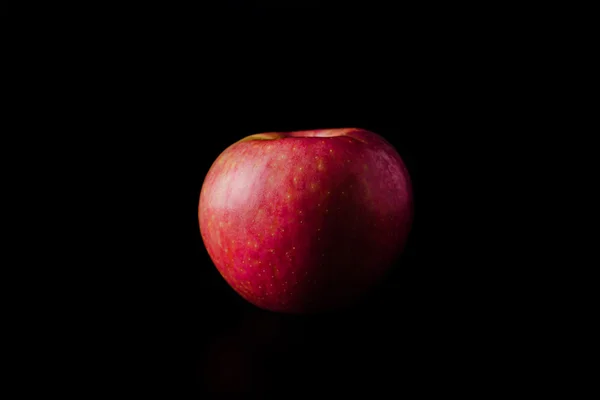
(306, 221)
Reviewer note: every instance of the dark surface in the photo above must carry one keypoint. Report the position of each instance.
(152, 99)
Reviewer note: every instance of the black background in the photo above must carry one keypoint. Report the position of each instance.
(148, 98)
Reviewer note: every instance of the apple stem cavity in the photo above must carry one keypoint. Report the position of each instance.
(262, 136)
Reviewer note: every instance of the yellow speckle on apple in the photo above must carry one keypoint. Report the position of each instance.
(320, 165)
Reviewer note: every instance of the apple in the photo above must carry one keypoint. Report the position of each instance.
(306, 221)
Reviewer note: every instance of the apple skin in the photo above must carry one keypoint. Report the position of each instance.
(306, 221)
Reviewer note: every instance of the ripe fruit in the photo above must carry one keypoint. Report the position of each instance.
(305, 221)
